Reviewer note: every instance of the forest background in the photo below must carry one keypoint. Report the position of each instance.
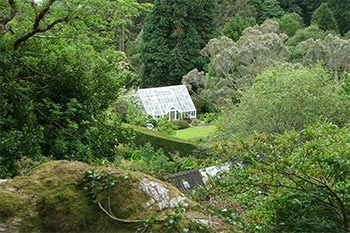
(272, 76)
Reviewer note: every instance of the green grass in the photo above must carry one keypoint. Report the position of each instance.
(194, 133)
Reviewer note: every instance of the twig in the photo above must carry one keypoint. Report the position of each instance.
(118, 219)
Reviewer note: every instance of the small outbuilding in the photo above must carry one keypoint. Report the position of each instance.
(172, 101)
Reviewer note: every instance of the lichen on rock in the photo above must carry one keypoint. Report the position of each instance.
(160, 195)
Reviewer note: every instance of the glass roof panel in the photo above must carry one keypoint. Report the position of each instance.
(158, 101)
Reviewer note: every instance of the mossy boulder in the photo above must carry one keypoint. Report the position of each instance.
(55, 198)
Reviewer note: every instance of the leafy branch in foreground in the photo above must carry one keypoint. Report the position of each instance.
(303, 176)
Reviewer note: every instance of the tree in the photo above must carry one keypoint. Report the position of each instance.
(291, 6)
(227, 9)
(234, 65)
(290, 23)
(303, 34)
(173, 35)
(323, 17)
(332, 51)
(196, 83)
(305, 8)
(95, 22)
(286, 98)
(235, 27)
(56, 84)
(267, 9)
(292, 182)
(341, 11)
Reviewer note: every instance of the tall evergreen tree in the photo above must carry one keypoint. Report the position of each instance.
(324, 18)
(267, 9)
(173, 35)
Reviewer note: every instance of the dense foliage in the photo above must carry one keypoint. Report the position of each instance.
(58, 76)
(235, 27)
(323, 17)
(172, 37)
(284, 98)
(234, 65)
(292, 182)
(272, 74)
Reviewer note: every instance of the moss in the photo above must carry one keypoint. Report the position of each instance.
(10, 204)
(66, 210)
(126, 199)
(52, 199)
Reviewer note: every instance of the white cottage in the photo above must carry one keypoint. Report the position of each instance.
(172, 101)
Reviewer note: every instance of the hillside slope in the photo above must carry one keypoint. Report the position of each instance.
(62, 196)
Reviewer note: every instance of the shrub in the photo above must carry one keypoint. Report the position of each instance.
(297, 181)
(284, 99)
(196, 122)
(165, 126)
(180, 124)
(121, 107)
(149, 160)
(208, 117)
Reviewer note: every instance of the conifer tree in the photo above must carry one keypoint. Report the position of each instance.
(173, 35)
(324, 18)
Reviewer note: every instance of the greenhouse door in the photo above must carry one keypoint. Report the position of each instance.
(173, 114)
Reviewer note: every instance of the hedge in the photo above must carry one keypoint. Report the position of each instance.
(168, 143)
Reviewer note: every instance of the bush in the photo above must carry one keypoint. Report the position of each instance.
(148, 160)
(208, 117)
(196, 122)
(180, 124)
(59, 111)
(297, 181)
(284, 99)
(165, 126)
(121, 106)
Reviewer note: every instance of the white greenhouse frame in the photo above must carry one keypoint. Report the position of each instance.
(172, 101)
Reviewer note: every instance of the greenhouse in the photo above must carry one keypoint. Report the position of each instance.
(172, 101)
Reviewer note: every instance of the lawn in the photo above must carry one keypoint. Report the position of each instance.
(194, 133)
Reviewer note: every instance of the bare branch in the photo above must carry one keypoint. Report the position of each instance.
(52, 37)
(321, 184)
(330, 205)
(305, 177)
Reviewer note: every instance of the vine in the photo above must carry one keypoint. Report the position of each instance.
(98, 186)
